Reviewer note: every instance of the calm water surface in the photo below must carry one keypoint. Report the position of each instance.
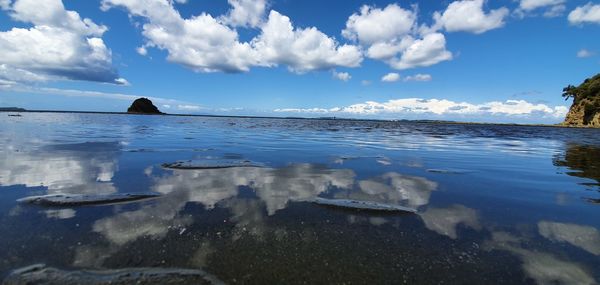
(496, 204)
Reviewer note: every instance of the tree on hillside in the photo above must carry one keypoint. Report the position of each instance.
(568, 92)
(588, 89)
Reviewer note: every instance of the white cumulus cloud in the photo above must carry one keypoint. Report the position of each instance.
(4, 4)
(209, 44)
(469, 16)
(59, 44)
(301, 49)
(374, 25)
(245, 13)
(588, 13)
(391, 35)
(424, 52)
(141, 50)
(391, 77)
(343, 76)
(201, 42)
(433, 108)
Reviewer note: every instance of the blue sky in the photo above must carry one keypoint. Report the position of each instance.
(470, 60)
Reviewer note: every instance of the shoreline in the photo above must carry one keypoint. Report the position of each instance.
(299, 118)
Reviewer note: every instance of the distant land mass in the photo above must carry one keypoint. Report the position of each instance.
(143, 106)
(11, 109)
(585, 111)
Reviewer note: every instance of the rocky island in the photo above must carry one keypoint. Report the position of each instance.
(143, 106)
(585, 111)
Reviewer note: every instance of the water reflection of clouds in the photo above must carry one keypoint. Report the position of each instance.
(299, 182)
(543, 267)
(445, 221)
(152, 220)
(274, 189)
(248, 215)
(73, 168)
(584, 237)
(60, 213)
(413, 190)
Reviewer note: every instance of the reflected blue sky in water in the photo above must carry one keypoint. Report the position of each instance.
(521, 200)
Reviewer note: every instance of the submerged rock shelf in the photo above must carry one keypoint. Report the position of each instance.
(363, 205)
(41, 274)
(210, 164)
(448, 171)
(60, 200)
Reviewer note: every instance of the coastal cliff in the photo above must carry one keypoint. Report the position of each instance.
(585, 110)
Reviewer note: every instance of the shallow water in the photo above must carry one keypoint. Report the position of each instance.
(496, 204)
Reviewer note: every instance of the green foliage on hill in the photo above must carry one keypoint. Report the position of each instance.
(589, 89)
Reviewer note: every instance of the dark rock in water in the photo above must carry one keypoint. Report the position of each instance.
(363, 205)
(41, 274)
(143, 106)
(448, 171)
(593, 201)
(210, 164)
(84, 147)
(14, 115)
(61, 200)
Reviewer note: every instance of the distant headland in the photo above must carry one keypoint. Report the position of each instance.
(12, 109)
(585, 110)
(143, 106)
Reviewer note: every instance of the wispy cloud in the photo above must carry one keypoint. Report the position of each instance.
(97, 94)
(188, 107)
(549, 8)
(393, 77)
(583, 53)
(419, 77)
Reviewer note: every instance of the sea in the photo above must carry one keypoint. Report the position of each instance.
(495, 204)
